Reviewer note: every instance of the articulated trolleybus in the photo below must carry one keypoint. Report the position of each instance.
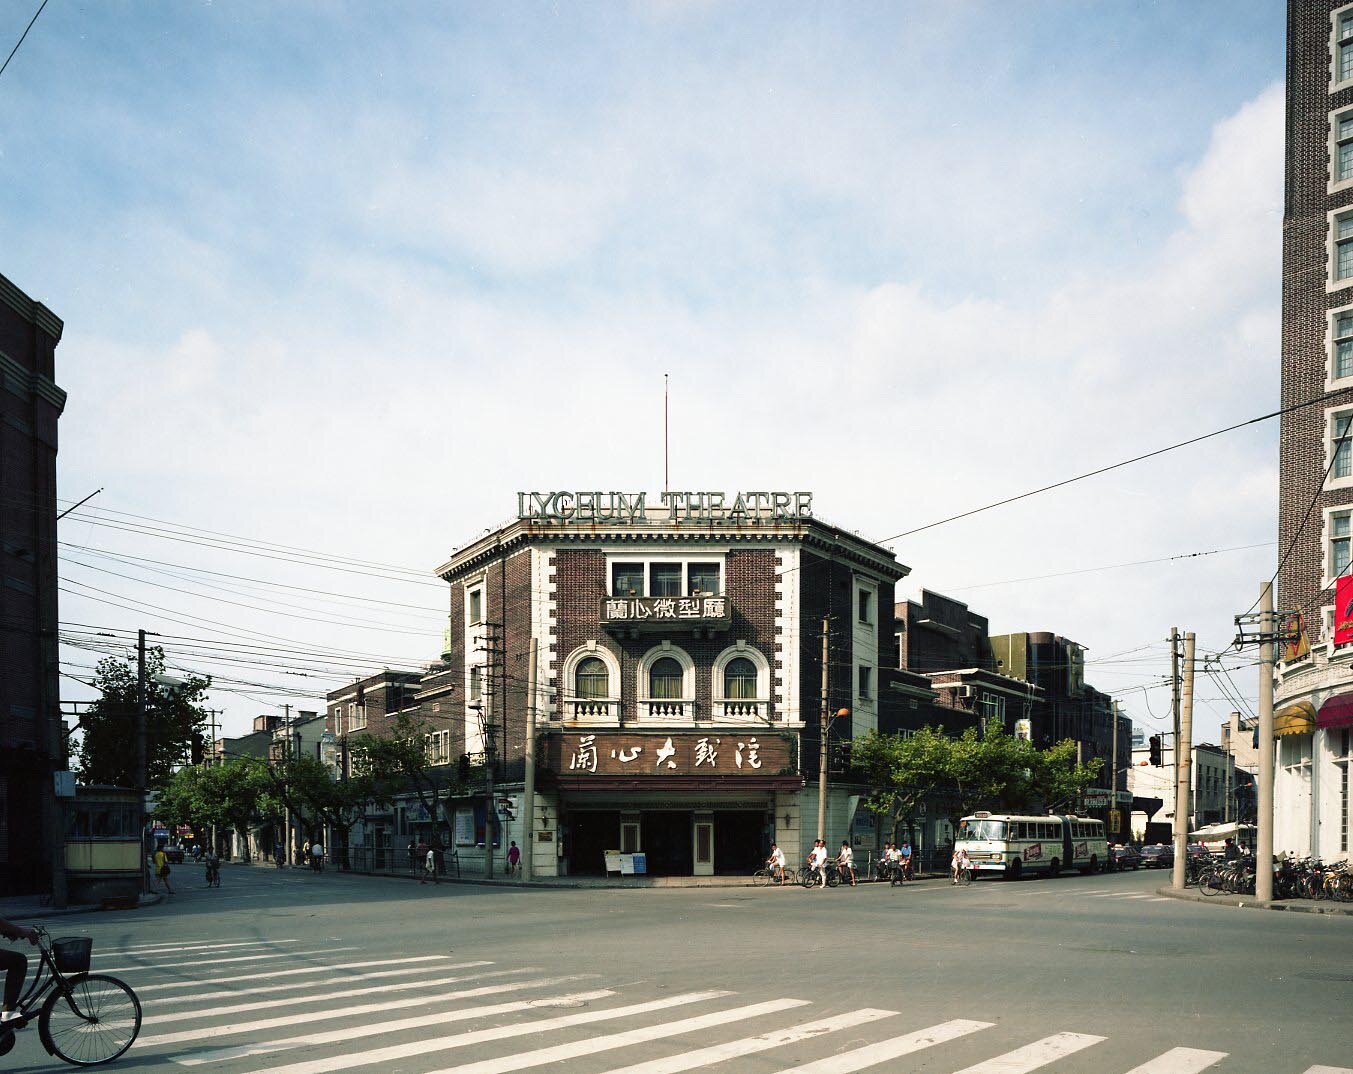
(1016, 846)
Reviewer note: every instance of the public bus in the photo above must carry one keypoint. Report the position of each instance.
(1014, 846)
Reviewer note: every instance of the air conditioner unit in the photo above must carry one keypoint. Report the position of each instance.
(963, 691)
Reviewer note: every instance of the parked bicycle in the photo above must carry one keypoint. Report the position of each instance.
(83, 1018)
(1228, 877)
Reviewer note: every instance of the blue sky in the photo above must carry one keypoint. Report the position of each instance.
(346, 277)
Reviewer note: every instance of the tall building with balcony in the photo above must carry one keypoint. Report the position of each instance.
(32, 742)
(1314, 690)
(679, 675)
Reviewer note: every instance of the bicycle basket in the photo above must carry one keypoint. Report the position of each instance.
(72, 954)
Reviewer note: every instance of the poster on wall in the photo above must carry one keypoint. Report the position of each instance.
(1343, 611)
(464, 828)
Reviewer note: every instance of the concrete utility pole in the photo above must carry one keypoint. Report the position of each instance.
(1263, 851)
(528, 794)
(1183, 770)
(824, 728)
(141, 772)
(1113, 779)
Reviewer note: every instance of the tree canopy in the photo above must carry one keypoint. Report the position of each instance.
(966, 773)
(174, 715)
(232, 796)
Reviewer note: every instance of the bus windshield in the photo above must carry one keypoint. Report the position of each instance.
(981, 829)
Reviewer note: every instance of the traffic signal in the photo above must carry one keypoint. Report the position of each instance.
(197, 749)
(1156, 756)
(463, 768)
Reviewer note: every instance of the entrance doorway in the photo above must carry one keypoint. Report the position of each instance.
(667, 843)
(740, 843)
(590, 836)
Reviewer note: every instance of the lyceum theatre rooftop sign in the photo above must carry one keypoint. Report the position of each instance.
(625, 507)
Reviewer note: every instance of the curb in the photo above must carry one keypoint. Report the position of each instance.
(1249, 902)
(153, 899)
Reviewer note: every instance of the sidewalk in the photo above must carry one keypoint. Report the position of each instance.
(30, 908)
(590, 882)
(1250, 902)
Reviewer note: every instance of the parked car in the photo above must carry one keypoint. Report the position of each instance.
(1159, 856)
(1126, 857)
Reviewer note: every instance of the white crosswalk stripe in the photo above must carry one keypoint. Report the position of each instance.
(1038, 1054)
(873, 1054)
(310, 1017)
(302, 971)
(274, 1002)
(179, 964)
(1180, 1061)
(484, 1018)
(170, 948)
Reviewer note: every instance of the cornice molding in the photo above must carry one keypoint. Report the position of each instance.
(34, 382)
(31, 311)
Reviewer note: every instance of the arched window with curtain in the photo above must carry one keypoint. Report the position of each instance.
(665, 679)
(739, 680)
(593, 681)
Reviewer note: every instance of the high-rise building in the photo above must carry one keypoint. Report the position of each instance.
(1314, 690)
(31, 735)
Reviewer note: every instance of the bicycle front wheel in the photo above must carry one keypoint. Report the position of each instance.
(93, 1020)
(761, 877)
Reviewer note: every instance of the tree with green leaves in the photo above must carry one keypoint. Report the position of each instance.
(233, 796)
(307, 788)
(174, 716)
(1059, 780)
(399, 759)
(903, 771)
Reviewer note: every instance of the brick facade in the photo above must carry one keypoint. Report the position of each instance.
(31, 743)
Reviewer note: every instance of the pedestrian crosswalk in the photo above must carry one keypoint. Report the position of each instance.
(446, 1014)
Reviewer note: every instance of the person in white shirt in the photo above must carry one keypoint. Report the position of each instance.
(817, 861)
(776, 861)
(845, 861)
(960, 861)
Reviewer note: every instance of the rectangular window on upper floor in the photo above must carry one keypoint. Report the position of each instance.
(1338, 544)
(1341, 149)
(1340, 345)
(1341, 249)
(866, 682)
(666, 578)
(1339, 449)
(865, 605)
(1341, 48)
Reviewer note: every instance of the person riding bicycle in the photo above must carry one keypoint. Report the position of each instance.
(959, 863)
(817, 861)
(213, 867)
(15, 965)
(845, 861)
(776, 862)
(904, 859)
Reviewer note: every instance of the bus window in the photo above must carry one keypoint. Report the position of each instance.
(1017, 829)
(981, 829)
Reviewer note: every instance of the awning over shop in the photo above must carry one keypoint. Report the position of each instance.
(1297, 718)
(1336, 713)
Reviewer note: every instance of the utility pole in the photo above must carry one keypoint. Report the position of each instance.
(141, 773)
(1263, 852)
(1183, 769)
(1113, 780)
(528, 795)
(824, 729)
(492, 641)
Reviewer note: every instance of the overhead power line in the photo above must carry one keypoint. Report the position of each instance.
(1110, 567)
(1115, 466)
(22, 36)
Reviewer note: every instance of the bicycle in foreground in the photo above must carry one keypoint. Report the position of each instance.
(83, 1018)
(768, 875)
(809, 878)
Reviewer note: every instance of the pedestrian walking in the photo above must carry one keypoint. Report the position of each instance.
(162, 868)
(513, 859)
(413, 856)
(430, 867)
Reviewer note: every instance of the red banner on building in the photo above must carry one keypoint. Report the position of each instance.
(1343, 611)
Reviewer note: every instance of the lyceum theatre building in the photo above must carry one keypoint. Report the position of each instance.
(679, 671)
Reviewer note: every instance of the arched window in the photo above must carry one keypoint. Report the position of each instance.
(665, 679)
(593, 680)
(739, 680)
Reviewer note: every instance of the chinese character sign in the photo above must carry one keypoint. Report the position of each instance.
(658, 611)
(655, 753)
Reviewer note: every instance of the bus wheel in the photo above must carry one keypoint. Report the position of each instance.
(1054, 867)
(1015, 870)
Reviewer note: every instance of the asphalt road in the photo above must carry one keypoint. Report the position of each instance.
(295, 973)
